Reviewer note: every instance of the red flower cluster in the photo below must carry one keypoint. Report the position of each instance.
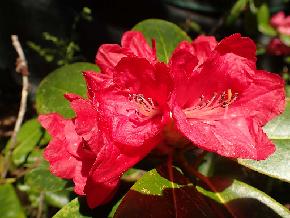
(281, 23)
(209, 93)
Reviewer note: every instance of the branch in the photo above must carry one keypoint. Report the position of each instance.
(22, 68)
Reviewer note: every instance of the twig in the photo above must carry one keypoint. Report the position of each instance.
(22, 68)
(40, 206)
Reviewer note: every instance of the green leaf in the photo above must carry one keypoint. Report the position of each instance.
(278, 164)
(27, 138)
(36, 156)
(72, 210)
(285, 39)
(10, 204)
(242, 200)
(57, 199)
(67, 79)
(40, 179)
(263, 16)
(156, 195)
(236, 10)
(166, 34)
(115, 207)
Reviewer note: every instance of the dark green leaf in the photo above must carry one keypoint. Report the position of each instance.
(72, 210)
(166, 34)
(67, 79)
(27, 138)
(278, 164)
(236, 10)
(40, 179)
(10, 204)
(155, 195)
(242, 200)
(44, 139)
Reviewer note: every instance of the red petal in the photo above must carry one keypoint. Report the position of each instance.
(95, 83)
(217, 75)
(86, 121)
(203, 47)
(241, 46)
(236, 138)
(62, 163)
(262, 100)
(109, 55)
(136, 43)
(277, 19)
(182, 65)
(118, 113)
(105, 174)
(138, 76)
(99, 193)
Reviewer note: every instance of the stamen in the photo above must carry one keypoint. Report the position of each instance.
(205, 107)
(145, 106)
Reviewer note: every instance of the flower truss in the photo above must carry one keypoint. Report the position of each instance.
(281, 23)
(209, 95)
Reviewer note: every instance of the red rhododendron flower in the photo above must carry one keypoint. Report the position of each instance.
(210, 94)
(135, 105)
(80, 148)
(281, 23)
(277, 47)
(82, 151)
(220, 101)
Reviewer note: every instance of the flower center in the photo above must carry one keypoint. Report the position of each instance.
(145, 106)
(207, 106)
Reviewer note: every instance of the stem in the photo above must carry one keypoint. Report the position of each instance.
(21, 67)
(171, 177)
(190, 170)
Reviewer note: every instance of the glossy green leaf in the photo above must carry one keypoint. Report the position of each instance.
(166, 34)
(10, 204)
(72, 210)
(40, 179)
(114, 209)
(67, 79)
(236, 10)
(278, 164)
(27, 138)
(242, 200)
(263, 16)
(155, 195)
